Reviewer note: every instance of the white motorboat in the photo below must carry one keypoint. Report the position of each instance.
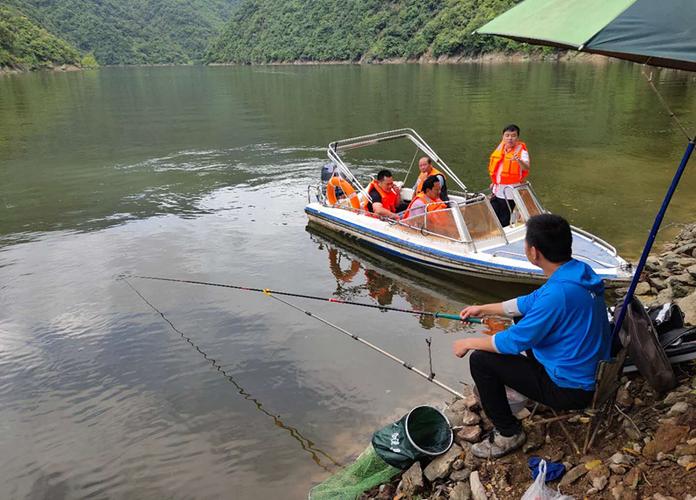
(466, 238)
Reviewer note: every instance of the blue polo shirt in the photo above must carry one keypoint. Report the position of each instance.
(565, 325)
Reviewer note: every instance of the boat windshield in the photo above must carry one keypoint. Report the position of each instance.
(438, 223)
(481, 221)
(527, 202)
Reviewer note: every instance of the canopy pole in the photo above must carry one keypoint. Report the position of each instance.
(653, 233)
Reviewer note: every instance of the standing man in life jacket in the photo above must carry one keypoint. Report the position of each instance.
(429, 199)
(384, 196)
(508, 168)
(425, 165)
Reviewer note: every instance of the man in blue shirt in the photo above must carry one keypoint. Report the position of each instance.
(564, 332)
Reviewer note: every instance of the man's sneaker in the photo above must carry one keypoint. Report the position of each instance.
(498, 445)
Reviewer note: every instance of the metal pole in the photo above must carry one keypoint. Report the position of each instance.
(653, 234)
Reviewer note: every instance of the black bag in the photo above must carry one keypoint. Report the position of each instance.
(666, 317)
(424, 432)
(639, 336)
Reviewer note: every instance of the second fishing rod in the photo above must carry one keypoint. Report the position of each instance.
(493, 322)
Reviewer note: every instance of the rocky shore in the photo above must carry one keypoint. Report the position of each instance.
(647, 451)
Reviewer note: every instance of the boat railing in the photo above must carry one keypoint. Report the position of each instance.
(337, 147)
(480, 222)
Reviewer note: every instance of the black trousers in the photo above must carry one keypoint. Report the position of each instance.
(492, 372)
(502, 209)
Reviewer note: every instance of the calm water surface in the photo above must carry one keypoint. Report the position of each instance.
(201, 173)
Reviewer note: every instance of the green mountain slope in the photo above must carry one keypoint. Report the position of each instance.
(349, 30)
(132, 31)
(25, 45)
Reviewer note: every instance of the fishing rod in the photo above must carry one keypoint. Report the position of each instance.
(493, 323)
(429, 378)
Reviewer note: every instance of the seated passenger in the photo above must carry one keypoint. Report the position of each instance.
(427, 200)
(384, 196)
(564, 331)
(425, 165)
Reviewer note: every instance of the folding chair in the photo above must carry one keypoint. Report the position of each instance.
(607, 383)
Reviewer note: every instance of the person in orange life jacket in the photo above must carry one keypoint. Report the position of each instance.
(508, 167)
(563, 329)
(425, 165)
(428, 199)
(384, 196)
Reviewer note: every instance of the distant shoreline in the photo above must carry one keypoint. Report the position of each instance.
(489, 58)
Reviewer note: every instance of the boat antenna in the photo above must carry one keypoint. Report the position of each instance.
(411, 165)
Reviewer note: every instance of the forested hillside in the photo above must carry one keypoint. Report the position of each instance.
(132, 31)
(24, 45)
(349, 30)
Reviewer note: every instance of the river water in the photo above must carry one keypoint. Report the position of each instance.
(202, 173)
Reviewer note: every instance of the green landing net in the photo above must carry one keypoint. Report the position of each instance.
(368, 471)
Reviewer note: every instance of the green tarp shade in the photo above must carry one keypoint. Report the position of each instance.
(659, 33)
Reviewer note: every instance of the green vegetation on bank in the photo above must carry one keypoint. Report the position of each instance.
(261, 31)
(25, 45)
(132, 31)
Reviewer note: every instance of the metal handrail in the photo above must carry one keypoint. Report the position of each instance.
(337, 147)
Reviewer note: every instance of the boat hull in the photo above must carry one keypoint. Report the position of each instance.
(479, 264)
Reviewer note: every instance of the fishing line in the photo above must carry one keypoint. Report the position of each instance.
(306, 444)
(430, 378)
(493, 322)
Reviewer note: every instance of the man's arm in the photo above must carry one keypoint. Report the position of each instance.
(378, 209)
(463, 346)
(507, 308)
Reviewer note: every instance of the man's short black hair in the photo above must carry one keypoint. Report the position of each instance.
(512, 128)
(550, 234)
(430, 182)
(383, 173)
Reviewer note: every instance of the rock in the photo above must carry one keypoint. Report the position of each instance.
(688, 305)
(666, 439)
(458, 464)
(461, 491)
(470, 418)
(478, 492)
(471, 401)
(534, 442)
(660, 496)
(685, 249)
(691, 270)
(624, 398)
(411, 481)
(678, 409)
(686, 449)
(573, 475)
(665, 296)
(460, 475)
(469, 434)
(632, 478)
(522, 414)
(686, 460)
(630, 430)
(440, 467)
(618, 469)
(642, 288)
(679, 290)
(620, 459)
(672, 398)
(600, 482)
(617, 491)
(658, 283)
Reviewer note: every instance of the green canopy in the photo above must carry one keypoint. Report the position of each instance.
(659, 33)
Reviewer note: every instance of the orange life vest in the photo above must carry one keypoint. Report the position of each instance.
(511, 170)
(388, 199)
(430, 204)
(422, 177)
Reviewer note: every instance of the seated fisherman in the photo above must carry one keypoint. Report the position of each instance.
(564, 326)
(425, 165)
(384, 196)
(428, 199)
